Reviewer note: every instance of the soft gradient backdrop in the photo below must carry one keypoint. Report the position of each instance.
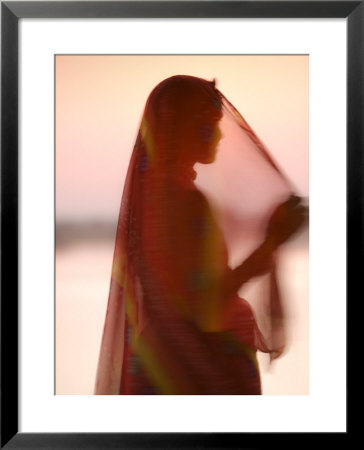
(99, 103)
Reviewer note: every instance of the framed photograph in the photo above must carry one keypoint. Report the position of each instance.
(92, 157)
(81, 84)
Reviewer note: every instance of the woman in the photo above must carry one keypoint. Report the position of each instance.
(175, 323)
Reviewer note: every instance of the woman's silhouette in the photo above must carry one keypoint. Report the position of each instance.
(175, 323)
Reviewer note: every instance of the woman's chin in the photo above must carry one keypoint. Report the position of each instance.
(208, 157)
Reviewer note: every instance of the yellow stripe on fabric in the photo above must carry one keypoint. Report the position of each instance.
(120, 277)
(118, 271)
(147, 138)
(154, 369)
(130, 310)
(211, 311)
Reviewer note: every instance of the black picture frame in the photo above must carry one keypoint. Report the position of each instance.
(11, 12)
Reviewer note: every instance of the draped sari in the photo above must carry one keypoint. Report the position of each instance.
(197, 200)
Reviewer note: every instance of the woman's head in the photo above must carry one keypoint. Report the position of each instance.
(180, 123)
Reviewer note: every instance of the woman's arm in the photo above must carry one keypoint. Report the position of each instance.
(201, 273)
(287, 218)
(258, 263)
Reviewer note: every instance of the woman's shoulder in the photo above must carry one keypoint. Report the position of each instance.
(192, 208)
(199, 212)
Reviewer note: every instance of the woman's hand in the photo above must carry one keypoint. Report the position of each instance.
(286, 220)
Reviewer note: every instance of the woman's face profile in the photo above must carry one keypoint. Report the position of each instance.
(210, 137)
(186, 118)
(207, 134)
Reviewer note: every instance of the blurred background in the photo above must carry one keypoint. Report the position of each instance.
(99, 104)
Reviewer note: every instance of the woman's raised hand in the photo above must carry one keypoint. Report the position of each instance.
(286, 220)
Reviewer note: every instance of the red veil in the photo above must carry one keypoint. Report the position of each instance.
(197, 202)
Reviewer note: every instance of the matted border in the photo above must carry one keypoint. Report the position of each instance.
(11, 13)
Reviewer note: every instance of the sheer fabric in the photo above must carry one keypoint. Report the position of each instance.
(197, 201)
